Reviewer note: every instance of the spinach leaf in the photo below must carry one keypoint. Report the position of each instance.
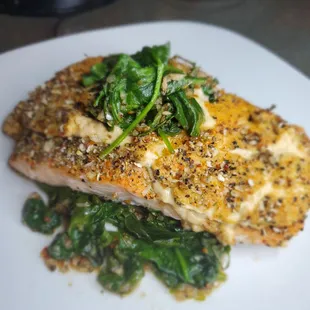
(180, 114)
(112, 95)
(99, 70)
(175, 85)
(183, 259)
(136, 90)
(195, 115)
(171, 69)
(170, 128)
(162, 118)
(149, 56)
(97, 73)
(141, 82)
(140, 116)
(87, 229)
(61, 248)
(121, 274)
(128, 88)
(189, 112)
(89, 79)
(60, 199)
(209, 90)
(38, 217)
(143, 237)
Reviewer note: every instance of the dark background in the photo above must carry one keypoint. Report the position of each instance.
(283, 26)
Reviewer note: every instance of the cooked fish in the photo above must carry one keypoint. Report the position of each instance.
(246, 178)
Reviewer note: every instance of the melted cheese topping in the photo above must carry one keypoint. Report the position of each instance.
(153, 152)
(186, 212)
(249, 205)
(247, 154)
(163, 194)
(286, 145)
(201, 98)
(229, 233)
(234, 217)
(209, 213)
(193, 218)
(85, 127)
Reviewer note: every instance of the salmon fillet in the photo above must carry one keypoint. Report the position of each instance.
(246, 178)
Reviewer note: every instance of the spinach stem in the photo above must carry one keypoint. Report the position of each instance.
(140, 117)
(166, 140)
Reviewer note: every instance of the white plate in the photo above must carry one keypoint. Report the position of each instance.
(259, 278)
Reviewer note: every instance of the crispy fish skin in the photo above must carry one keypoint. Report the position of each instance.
(246, 178)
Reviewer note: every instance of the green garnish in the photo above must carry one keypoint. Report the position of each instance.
(209, 90)
(183, 83)
(143, 93)
(140, 238)
(140, 117)
(98, 72)
(39, 217)
(189, 113)
(166, 140)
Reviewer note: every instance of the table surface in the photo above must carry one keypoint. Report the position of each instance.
(282, 26)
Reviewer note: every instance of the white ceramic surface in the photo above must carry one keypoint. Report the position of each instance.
(259, 278)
